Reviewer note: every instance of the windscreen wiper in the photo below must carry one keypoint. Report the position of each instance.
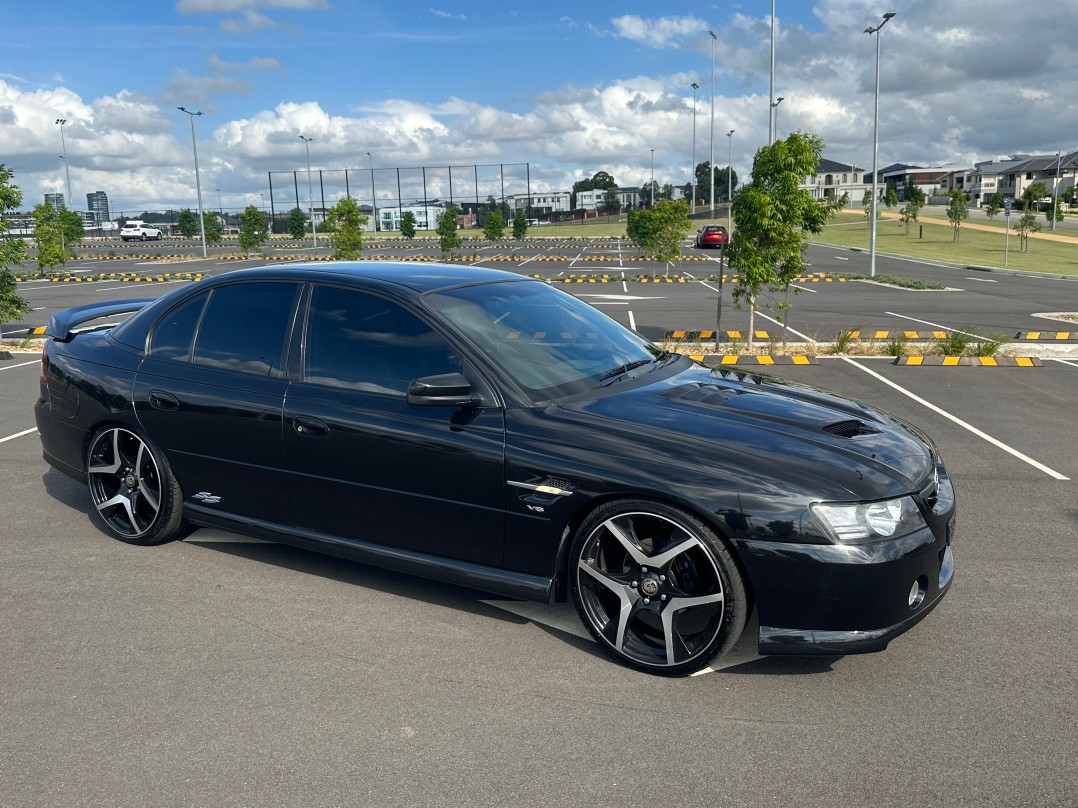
(623, 369)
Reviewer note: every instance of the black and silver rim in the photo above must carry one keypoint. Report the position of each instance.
(651, 589)
(125, 482)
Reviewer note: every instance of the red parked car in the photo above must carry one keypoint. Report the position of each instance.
(712, 235)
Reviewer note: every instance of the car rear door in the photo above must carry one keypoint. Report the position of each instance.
(211, 391)
(364, 464)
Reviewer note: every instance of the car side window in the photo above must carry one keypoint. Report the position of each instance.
(173, 335)
(367, 343)
(245, 327)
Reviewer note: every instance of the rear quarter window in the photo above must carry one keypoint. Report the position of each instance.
(245, 326)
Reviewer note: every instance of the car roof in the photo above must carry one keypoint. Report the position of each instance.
(417, 277)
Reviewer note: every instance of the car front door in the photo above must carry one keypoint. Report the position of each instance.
(363, 463)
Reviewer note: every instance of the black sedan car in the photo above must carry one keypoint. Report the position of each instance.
(486, 429)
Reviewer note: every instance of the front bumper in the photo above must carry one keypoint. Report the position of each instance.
(831, 599)
(808, 641)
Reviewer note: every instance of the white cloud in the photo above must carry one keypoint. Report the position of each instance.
(664, 32)
(255, 65)
(447, 15)
(250, 22)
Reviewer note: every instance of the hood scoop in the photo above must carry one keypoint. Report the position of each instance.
(850, 429)
(707, 394)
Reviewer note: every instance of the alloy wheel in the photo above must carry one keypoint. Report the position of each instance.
(651, 588)
(125, 482)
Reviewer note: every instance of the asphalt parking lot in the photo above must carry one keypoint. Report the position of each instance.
(223, 671)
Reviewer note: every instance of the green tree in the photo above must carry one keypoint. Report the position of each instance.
(774, 219)
(1054, 211)
(297, 223)
(408, 224)
(1035, 192)
(640, 229)
(520, 226)
(188, 223)
(995, 203)
(48, 236)
(1027, 223)
(670, 226)
(71, 224)
(211, 225)
(346, 229)
(866, 205)
(890, 197)
(725, 181)
(494, 228)
(253, 231)
(612, 200)
(957, 211)
(448, 237)
(12, 251)
(601, 180)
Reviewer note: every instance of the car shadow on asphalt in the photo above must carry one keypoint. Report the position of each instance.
(559, 620)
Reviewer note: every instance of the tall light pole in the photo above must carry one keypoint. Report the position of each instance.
(729, 186)
(1055, 192)
(775, 118)
(310, 190)
(374, 204)
(711, 189)
(67, 171)
(771, 113)
(198, 182)
(692, 167)
(220, 207)
(875, 147)
(651, 188)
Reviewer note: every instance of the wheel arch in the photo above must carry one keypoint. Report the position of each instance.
(580, 515)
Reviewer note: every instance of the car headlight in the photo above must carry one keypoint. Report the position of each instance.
(859, 522)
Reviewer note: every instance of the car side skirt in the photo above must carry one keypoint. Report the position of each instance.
(461, 573)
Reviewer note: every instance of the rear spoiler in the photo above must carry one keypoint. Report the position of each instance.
(63, 323)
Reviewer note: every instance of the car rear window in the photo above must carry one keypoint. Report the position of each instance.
(245, 326)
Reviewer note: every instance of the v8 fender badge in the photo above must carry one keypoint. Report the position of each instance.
(536, 508)
(206, 497)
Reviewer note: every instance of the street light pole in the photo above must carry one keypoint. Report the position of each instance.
(692, 167)
(729, 180)
(651, 188)
(875, 147)
(310, 189)
(711, 172)
(67, 171)
(198, 182)
(775, 116)
(771, 113)
(374, 204)
(1055, 192)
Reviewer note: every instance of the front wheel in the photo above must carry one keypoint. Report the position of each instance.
(135, 496)
(656, 587)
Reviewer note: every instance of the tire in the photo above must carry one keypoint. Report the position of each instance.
(145, 237)
(136, 498)
(656, 587)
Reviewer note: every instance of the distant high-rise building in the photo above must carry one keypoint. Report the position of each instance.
(98, 204)
(56, 200)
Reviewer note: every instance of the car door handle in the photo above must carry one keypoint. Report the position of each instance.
(311, 427)
(160, 400)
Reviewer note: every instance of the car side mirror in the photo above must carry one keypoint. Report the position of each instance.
(444, 390)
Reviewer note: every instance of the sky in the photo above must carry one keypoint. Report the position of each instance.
(570, 88)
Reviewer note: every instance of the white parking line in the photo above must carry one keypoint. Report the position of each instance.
(18, 435)
(934, 325)
(995, 442)
(1069, 362)
(759, 313)
(22, 364)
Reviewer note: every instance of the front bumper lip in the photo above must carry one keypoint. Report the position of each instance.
(808, 641)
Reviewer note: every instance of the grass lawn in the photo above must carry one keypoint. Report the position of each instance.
(975, 247)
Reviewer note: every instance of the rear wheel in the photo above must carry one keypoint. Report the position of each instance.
(134, 494)
(656, 587)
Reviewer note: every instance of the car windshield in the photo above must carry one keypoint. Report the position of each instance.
(551, 344)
